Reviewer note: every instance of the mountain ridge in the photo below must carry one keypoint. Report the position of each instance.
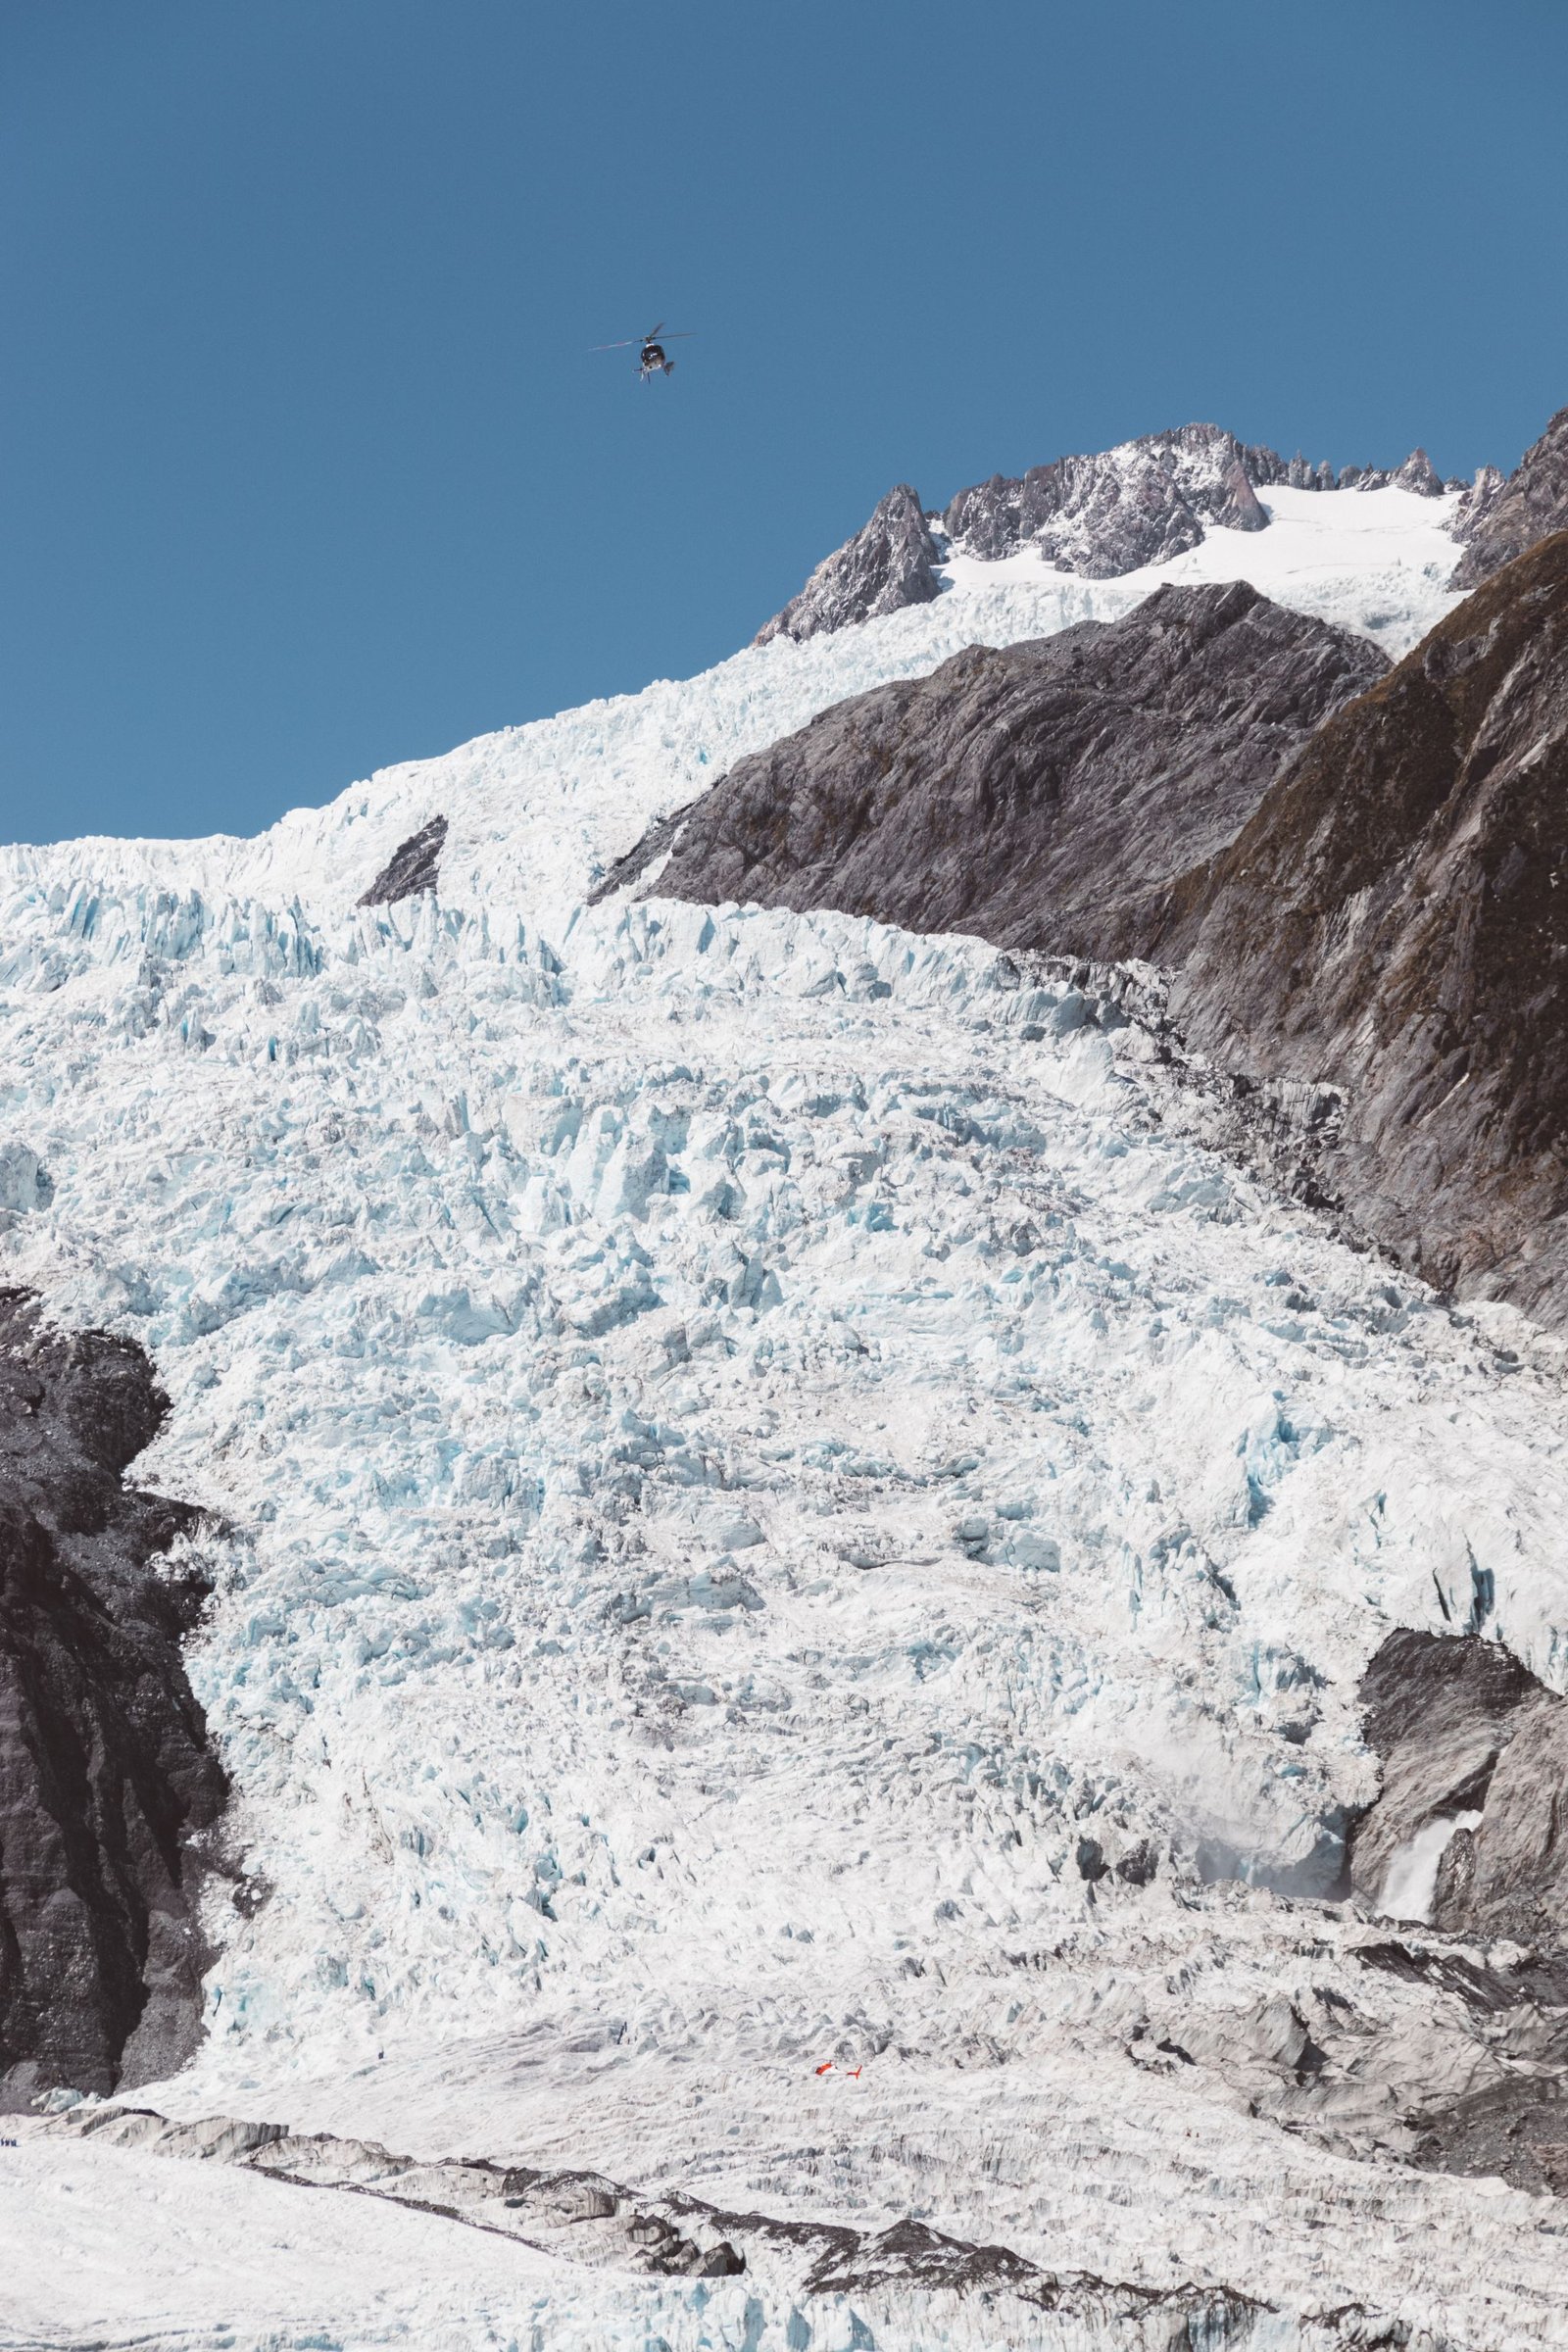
(1099, 515)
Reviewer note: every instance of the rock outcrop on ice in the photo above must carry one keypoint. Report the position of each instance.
(1099, 516)
(414, 866)
(1466, 1835)
(1392, 921)
(106, 1775)
(1472, 1744)
(1501, 520)
(1045, 795)
(1439, 1709)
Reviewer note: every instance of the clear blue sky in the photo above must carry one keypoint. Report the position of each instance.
(306, 466)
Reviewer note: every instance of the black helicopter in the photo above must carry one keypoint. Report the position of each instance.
(650, 350)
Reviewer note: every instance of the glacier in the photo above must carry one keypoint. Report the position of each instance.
(770, 1510)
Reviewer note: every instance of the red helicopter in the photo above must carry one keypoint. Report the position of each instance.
(650, 349)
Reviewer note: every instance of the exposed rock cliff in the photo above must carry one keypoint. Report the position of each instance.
(1500, 520)
(1045, 796)
(1393, 921)
(1439, 1713)
(105, 1774)
(1472, 1746)
(890, 564)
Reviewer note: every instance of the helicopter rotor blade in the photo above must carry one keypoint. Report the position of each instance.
(639, 342)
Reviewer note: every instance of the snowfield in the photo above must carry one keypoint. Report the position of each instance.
(769, 1506)
(1375, 561)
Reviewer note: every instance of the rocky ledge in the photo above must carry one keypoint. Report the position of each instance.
(414, 866)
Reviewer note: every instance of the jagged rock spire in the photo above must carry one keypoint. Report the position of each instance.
(1501, 520)
(890, 564)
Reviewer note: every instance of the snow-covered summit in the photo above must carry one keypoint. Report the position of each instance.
(1103, 517)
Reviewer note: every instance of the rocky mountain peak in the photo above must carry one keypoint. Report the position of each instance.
(1418, 474)
(1140, 503)
(1266, 467)
(890, 564)
(1500, 520)
(1098, 515)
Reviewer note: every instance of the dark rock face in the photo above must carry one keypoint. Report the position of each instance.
(1508, 1875)
(1394, 921)
(1439, 1713)
(1501, 521)
(414, 866)
(1514, 2131)
(105, 1773)
(1045, 796)
(890, 564)
(1463, 1728)
(1101, 515)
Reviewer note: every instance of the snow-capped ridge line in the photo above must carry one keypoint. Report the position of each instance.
(1119, 511)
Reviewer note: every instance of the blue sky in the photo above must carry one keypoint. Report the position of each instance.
(305, 466)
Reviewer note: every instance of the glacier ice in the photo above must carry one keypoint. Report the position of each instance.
(768, 1505)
